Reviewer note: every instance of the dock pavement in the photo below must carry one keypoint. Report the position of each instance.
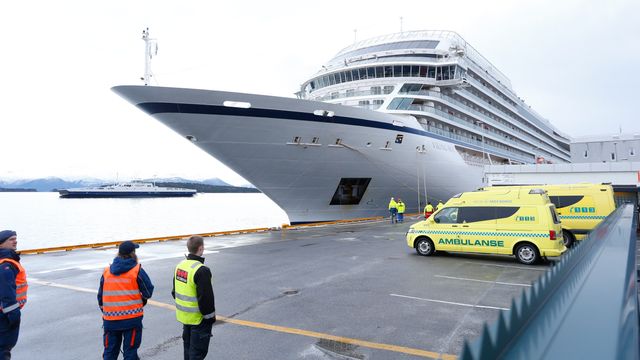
(340, 291)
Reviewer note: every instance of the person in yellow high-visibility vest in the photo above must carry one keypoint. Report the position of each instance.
(401, 209)
(195, 302)
(393, 209)
(428, 210)
(440, 205)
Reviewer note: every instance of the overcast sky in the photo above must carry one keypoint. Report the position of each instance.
(575, 62)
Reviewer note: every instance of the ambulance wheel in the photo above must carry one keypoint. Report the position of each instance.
(567, 238)
(527, 254)
(424, 246)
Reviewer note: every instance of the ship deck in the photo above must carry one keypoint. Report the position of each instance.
(336, 291)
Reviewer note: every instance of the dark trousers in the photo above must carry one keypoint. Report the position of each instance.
(130, 340)
(8, 337)
(196, 340)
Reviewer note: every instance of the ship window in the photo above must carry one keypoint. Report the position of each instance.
(387, 90)
(394, 104)
(315, 140)
(237, 104)
(406, 70)
(388, 71)
(332, 80)
(438, 73)
(431, 72)
(363, 102)
(297, 139)
(397, 71)
(371, 73)
(375, 90)
(350, 191)
(348, 75)
(337, 78)
(379, 71)
(313, 85)
(355, 75)
(343, 77)
(363, 73)
(350, 92)
(378, 102)
(423, 71)
(399, 138)
(415, 71)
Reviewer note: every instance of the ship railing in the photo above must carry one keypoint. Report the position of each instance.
(482, 132)
(521, 111)
(538, 143)
(478, 147)
(584, 307)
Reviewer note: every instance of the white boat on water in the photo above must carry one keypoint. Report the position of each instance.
(414, 115)
(133, 189)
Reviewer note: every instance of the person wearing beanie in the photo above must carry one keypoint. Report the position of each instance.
(123, 292)
(13, 292)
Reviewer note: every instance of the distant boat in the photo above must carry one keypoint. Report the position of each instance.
(133, 189)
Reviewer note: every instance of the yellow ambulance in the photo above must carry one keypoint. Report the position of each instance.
(520, 222)
(580, 207)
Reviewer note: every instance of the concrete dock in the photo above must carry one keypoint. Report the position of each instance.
(352, 291)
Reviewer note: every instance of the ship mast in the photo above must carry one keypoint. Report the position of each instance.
(150, 49)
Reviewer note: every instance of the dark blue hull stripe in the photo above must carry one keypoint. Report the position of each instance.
(161, 107)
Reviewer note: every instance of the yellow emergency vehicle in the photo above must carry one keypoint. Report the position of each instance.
(520, 222)
(580, 207)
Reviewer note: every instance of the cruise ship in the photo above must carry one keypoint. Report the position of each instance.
(413, 115)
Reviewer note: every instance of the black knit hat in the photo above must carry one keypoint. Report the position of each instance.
(6, 234)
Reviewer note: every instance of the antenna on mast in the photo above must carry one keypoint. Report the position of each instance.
(150, 49)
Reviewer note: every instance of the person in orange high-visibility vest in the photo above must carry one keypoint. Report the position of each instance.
(123, 292)
(13, 292)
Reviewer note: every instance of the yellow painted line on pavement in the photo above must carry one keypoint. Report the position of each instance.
(281, 329)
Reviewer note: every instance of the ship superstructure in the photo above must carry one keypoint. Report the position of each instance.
(413, 115)
(452, 90)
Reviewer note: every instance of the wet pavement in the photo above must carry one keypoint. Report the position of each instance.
(352, 291)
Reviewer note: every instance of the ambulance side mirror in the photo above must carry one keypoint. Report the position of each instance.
(437, 220)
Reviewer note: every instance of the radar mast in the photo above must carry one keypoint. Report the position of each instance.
(150, 49)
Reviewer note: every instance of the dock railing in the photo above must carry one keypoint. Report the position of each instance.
(584, 307)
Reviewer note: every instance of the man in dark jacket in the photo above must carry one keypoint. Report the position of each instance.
(13, 292)
(124, 290)
(195, 303)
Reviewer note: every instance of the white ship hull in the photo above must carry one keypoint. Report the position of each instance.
(259, 143)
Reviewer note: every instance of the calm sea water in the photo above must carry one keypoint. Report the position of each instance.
(45, 220)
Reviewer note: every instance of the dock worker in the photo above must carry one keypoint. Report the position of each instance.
(440, 205)
(393, 210)
(13, 292)
(123, 292)
(195, 303)
(428, 210)
(401, 208)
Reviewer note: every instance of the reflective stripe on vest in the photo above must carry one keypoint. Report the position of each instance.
(21, 286)
(121, 298)
(187, 310)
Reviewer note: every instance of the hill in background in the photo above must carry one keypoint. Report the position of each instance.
(213, 185)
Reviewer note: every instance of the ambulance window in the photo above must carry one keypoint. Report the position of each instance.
(554, 216)
(484, 213)
(505, 212)
(447, 216)
(563, 201)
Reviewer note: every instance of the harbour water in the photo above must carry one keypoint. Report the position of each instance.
(45, 220)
